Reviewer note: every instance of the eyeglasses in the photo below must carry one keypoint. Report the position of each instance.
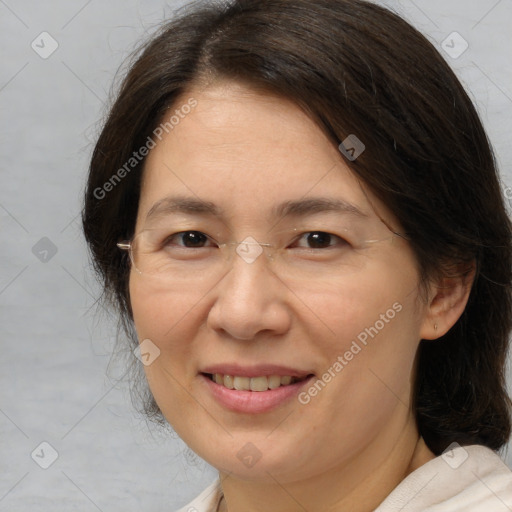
(167, 256)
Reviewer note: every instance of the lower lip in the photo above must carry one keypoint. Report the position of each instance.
(253, 402)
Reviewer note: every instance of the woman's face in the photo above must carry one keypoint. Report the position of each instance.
(340, 313)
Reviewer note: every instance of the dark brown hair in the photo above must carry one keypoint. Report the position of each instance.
(355, 68)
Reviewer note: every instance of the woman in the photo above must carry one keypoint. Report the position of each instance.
(296, 211)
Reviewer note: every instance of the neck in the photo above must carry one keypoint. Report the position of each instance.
(358, 485)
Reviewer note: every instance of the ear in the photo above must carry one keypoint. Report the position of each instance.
(447, 300)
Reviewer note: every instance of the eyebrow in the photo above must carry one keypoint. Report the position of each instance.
(181, 204)
(303, 207)
(291, 208)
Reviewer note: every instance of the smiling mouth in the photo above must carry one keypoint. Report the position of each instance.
(263, 383)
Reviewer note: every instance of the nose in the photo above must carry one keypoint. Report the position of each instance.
(249, 300)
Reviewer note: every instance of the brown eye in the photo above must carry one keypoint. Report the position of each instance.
(190, 239)
(319, 240)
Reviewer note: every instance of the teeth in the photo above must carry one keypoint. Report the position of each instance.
(228, 382)
(242, 383)
(259, 384)
(253, 383)
(274, 381)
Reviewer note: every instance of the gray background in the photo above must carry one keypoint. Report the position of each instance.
(55, 345)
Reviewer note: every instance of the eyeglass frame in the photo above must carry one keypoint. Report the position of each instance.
(127, 245)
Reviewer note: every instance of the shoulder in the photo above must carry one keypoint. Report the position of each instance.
(207, 501)
(470, 478)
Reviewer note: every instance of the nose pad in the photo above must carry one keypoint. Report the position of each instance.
(250, 249)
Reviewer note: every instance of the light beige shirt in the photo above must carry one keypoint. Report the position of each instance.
(463, 479)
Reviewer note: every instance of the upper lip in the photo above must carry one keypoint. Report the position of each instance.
(258, 370)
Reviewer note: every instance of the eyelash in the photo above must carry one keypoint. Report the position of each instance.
(168, 240)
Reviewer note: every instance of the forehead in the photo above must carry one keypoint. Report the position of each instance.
(248, 153)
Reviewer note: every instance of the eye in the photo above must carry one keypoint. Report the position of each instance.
(188, 239)
(320, 240)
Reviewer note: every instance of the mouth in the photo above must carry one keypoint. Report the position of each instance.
(258, 384)
(255, 388)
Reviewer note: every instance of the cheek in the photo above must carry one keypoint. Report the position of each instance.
(167, 319)
(376, 301)
(161, 315)
(368, 355)
(371, 329)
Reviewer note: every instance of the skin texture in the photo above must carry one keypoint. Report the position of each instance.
(355, 440)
